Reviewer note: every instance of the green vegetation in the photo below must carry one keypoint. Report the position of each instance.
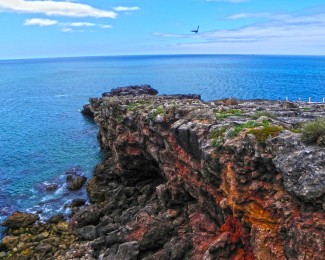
(228, 113)
(136, 105)
(262, 134)
(307, 108)
(158, 111)
(217, 136)
(311, 131)
(249, 124)
(263, 113)
(296, 130)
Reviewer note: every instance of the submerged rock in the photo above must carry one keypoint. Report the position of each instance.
(75, 182)
(77, 203)
(51, 186)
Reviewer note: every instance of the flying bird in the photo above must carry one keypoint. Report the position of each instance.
(196, 31)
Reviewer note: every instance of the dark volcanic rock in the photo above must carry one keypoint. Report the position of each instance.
(77, 203)
(182, 96)
(56, 218)
(131, 91)
(20, 219)
(51, 186)
(89, 216)
(75, 182)
(87, 232)
(127, 251)
(86, 111)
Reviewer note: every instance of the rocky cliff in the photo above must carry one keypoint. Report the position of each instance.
(187, 179)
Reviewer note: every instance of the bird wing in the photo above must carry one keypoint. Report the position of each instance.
(196, 31)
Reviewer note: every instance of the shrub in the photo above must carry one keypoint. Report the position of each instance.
(158, 111)
(250, 125)
(216, 142)
(237, 129)
(217, 136)
(262, 134)
(311, 131)
(296, 130)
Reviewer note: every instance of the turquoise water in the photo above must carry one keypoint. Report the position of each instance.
(42, 133)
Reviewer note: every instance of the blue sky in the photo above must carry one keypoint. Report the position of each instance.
(53, 28)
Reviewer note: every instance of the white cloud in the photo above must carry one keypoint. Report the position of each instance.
(66, 26)
(126, 9)
(169, 35)
(279, 27)
(66, 30)
(249, 15)
(278, 33)
(55, 8)
(85, 24)
(105, 26)
(40, 22)
(81, 24)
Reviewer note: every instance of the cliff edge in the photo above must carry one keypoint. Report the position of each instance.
(187, 179)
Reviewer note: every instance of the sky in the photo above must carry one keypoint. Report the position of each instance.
(58, 28)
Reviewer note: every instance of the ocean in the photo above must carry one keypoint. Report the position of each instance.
(43, 134)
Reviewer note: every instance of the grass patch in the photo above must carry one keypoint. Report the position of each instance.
(262, 134)
(134, 106)
(217, 136)
(249, 124)
(296, 130)
(158, 111)
(216, 142)
(311, 131)
(228, 113)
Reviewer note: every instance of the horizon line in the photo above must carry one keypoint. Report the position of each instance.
(148, 55)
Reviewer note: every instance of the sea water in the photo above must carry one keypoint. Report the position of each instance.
(43, 134)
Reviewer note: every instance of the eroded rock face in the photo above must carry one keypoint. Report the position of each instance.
(181, 181)
(186, 179)
(303, 167)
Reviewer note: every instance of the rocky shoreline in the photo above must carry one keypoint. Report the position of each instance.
(187, 179)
